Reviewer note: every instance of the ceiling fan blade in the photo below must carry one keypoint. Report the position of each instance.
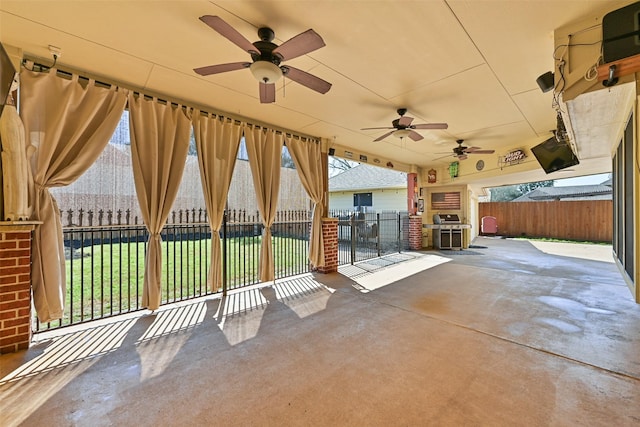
(386, 127)
(306, 79)
(430, 126)
(415, 135)
(470, 149)
(405, 121)
(267, 93)
(221, 68)
(299, 45)
(462, 157)
(481, 152)
(380, 138)
(229, 32)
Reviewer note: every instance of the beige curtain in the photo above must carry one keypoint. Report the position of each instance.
(159, 148)
(264, 149)
(68, 124)
(217, 142)
(308, 160)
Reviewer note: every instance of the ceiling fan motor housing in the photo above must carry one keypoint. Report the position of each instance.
(266, 52)
(396, 124)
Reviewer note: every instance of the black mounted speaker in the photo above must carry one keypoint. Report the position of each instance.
(332, 151)
(545, 81)
(621, 33)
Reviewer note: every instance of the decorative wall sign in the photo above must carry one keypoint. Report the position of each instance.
(480, 165)
(512, 158)
(431, 176)
(363, 158)
(453, 169)
(420, 205)
(348, 154)
(449, 200)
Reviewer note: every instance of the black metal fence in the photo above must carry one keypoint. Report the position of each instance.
(105, 254)
(105, 257)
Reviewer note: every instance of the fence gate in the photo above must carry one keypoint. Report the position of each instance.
(363, 236)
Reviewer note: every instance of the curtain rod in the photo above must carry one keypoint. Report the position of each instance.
(39, 67)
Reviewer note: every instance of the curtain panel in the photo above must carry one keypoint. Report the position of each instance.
(264, 149)
(308, 160)
(67, 125)
(217, 143)
(159, 147)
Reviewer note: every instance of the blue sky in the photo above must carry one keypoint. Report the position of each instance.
(583, 180)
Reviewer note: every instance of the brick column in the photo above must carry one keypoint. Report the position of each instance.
(415, 233)
(15, 285)
(330, 239)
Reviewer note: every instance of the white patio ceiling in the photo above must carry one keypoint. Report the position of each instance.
(472, 64)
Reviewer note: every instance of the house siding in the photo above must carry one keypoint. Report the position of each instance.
(389, 199)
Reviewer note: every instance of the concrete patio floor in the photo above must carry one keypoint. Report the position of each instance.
(500, 334)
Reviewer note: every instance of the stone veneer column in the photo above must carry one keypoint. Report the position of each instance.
(330, 238)
(415, 233)
(15, 285)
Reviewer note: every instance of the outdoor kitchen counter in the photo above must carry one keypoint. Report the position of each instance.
(450, 242)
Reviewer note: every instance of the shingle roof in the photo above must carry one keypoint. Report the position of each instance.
(573, 192)
(365, 177)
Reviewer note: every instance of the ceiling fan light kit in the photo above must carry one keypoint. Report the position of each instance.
(401, 133)
(265, 71)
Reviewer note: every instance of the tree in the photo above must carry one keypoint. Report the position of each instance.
(510, 192)
(286, 160)
(338, 165)
(505, 193)
(530, 186)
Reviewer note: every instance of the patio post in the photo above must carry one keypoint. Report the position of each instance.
(415, 232)
(330, 242)
(15, 285)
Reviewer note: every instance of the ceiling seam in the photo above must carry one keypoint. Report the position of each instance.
(490, 67)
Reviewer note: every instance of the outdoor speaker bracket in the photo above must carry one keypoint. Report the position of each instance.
(609, 73)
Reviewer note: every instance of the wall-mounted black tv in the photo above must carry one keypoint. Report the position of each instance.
(7, 73)
(554, 155)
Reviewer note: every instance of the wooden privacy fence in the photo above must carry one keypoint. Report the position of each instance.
(588, 220)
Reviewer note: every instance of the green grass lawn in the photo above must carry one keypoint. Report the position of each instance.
(108, 278)
(550, 239)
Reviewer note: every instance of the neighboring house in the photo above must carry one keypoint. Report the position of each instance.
(368, 188)
(576, 192)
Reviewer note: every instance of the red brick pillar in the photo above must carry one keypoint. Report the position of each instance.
(330, 239)
(415, 233)
(15, 285)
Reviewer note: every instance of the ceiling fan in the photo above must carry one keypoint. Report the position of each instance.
(462, 151)
(402, 127)
(266, 57)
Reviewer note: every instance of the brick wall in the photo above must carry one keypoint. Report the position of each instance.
(15, 287)
(330, 238)
(415, 233)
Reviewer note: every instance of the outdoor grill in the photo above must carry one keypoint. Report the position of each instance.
(447, 231)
